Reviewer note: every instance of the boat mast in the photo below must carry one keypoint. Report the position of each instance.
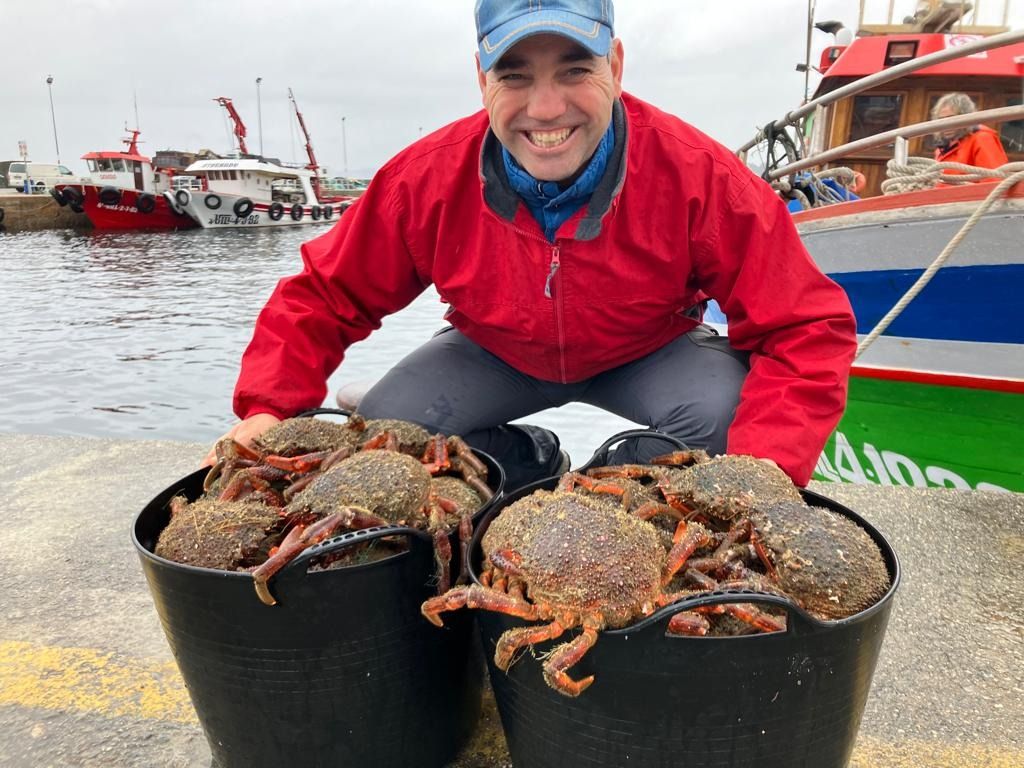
(133, 142)
(237, 120)
(312, 165)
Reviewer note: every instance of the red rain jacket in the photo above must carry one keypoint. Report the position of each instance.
(981, 148)
(677, 218)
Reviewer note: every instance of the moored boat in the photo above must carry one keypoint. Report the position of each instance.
(254, 191)
(124, 191)
(934, 274)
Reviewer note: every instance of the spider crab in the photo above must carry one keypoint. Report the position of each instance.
(293, 446)
(382, 487)
(572, 561)
(768, 538)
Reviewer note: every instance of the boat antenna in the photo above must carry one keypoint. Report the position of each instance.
(236, 119)
(312, 165)
(135, 102)
(807, 55)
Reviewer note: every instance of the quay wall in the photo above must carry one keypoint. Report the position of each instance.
(24, 213)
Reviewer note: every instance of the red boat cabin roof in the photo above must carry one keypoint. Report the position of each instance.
(867, 55)
(115, 155)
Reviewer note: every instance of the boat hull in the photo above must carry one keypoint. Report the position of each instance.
(125, 213)
(218, 211)
(899, 429)
(938, 399)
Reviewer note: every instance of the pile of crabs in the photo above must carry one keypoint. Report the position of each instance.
(606, 548)
(307, 479)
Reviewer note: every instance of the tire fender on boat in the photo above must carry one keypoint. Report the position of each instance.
(315, 212)
(328, 211)
(145, 203)
(242, 207)
(109, 195)
(297, 212)
(182, 197)
(74, 198)
(58, 195)
(212, 201)
(275, 211)
(2, 214)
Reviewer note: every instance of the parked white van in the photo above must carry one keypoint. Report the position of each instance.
(13, 173)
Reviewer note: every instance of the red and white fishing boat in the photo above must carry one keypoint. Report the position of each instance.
(125, 191)
(253, 191)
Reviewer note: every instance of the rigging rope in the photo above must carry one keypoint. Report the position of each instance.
(1011, 174)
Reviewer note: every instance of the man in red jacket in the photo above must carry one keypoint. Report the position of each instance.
(575, 233)
(976, 145)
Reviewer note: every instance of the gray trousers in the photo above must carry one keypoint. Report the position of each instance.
(689, 389)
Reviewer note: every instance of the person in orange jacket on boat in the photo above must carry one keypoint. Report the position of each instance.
(574, 231)
(976, 145)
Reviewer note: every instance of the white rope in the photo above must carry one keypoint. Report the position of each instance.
(924, 173)
(1012, 173)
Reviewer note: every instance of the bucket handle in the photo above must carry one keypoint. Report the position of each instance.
(798, 622)
(600, 457)
(325, 412)
(297, 567)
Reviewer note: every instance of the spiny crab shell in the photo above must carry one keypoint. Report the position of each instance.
(826, 561)
(582, 556)
(727, 486)
(305, 434)
(227, 535)
(391, 485)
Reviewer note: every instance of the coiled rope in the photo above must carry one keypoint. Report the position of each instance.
(923, 173)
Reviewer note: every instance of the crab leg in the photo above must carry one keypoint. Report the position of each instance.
(513, 639)
(475, 596)
(302, 537)
(688, 538)
(565, 656)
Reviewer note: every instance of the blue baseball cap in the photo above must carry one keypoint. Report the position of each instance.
(500, 24)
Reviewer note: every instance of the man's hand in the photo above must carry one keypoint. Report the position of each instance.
(244, 432)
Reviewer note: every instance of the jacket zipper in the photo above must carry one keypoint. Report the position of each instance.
(556, 262)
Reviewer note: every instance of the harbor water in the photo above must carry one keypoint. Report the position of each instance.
(138, 335)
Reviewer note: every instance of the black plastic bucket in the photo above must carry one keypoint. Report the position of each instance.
(343, 672)
(792, 699)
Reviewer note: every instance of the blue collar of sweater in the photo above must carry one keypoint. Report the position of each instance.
(541, 195)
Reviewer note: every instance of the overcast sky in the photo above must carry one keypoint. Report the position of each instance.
(391, 68)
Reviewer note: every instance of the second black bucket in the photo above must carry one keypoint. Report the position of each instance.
(791, 699)
(343, 673)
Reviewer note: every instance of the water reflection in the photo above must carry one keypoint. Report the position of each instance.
(138, 335)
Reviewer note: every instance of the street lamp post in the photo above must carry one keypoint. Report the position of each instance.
(344, 147)
(259, 113)
(49, 86)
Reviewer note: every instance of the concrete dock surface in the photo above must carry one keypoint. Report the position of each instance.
(87, 678)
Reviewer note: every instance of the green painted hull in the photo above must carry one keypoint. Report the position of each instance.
(924, 435)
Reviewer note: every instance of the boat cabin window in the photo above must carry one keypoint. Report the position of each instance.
(287, 191)
(118, 164)
(104, 164)
(91, 165)
(875, 113)
(232, 175)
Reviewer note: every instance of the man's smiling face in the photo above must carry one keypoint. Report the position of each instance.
(550, 102)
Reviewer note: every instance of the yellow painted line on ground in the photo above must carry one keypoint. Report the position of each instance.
(91, 681)
(87, 680)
